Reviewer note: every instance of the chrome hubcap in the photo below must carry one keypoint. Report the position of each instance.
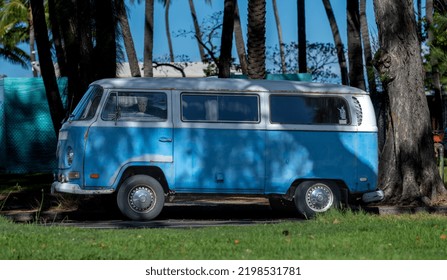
(319, 198)
(141, 198)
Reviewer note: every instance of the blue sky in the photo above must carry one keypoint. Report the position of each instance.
(317, 26)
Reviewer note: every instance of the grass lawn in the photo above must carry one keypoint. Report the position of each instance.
(334, 236)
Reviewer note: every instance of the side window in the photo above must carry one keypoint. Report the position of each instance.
(136, 106)
(222, 108)
(308, 110)
(87, 108)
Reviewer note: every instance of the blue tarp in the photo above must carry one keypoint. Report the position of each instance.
(27, 138)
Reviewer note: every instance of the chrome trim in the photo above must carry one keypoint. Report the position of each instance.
(373, 196)
(75, 189)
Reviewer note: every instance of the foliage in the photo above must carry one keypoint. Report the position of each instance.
(335, 235)
(438, 48)
(320, 59)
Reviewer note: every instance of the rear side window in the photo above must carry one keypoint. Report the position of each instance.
(220, 108)
(286, 109)
(135, 106)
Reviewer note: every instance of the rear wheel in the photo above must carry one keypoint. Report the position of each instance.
(141, 197)
(312, 197)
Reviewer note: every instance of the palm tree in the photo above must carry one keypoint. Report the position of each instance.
(338, 42)
(226, 39)
(16, 17)
(239, 40)
(355, 53)
(367, 48)
(256, 39)
(280, 40)
(167, 4)
(302, 52)
(47, 68)
(127, 38)
(197, 28)
(148, 39)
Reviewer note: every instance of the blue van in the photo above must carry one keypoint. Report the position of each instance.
(145, 139)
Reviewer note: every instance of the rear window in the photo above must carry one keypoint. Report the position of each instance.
(286, 109)
(220, 108)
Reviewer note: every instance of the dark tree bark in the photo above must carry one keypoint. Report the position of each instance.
(57, 39)
(280, 40)
(407, 172)
(302, 41)
(256, 39)
(197, 30)
(46, 65)
(338, 42)
(355, 53)
(226, 39)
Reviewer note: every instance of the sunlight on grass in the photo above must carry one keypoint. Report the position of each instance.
(334, 235)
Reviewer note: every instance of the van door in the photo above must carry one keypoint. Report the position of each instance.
(219, 144)
(133, 129)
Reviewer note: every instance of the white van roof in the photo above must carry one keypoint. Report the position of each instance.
(225, 85)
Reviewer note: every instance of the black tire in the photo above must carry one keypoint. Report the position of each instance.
(312, 197)
(141, 197)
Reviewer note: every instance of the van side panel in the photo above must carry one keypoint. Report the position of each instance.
(336, 155)
(219, 160)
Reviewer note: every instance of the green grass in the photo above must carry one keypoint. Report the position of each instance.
(331, 236)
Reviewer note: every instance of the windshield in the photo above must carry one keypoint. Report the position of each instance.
(88, 105)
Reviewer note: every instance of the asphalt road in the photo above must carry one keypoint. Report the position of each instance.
(182, 213)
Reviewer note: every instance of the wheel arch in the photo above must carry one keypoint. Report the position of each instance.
(153, 171)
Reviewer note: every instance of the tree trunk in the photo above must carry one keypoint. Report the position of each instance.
(407, 171)
(168, 31)
(280, 40)
(256, 39)
(197, 30)
(367, 49)
(46, 65)
(227, 39)
(239, 40)
(57, 40)
(127, 38)
(105, 48)
(355, 55)
(436, 108)
(302, 41)
(338, 42)
(148, 39)
(32, 39)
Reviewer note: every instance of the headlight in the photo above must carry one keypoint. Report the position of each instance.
(70, 156)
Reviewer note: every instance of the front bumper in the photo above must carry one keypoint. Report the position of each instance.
(75, 189)
(374, 196)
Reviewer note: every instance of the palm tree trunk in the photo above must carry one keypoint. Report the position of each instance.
(168, 30)
(239, 40)
(227, 39)
(32, 52)
(338, 42)
(302, 51)
(280, 41)
(46, 65)
(57, 40)
(256, 39)
(367, 48)
(127, 38)
(148, 39)
(355, 53)
(197, 30)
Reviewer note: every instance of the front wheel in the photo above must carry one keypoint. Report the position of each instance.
(312, 197)
(141, 197)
